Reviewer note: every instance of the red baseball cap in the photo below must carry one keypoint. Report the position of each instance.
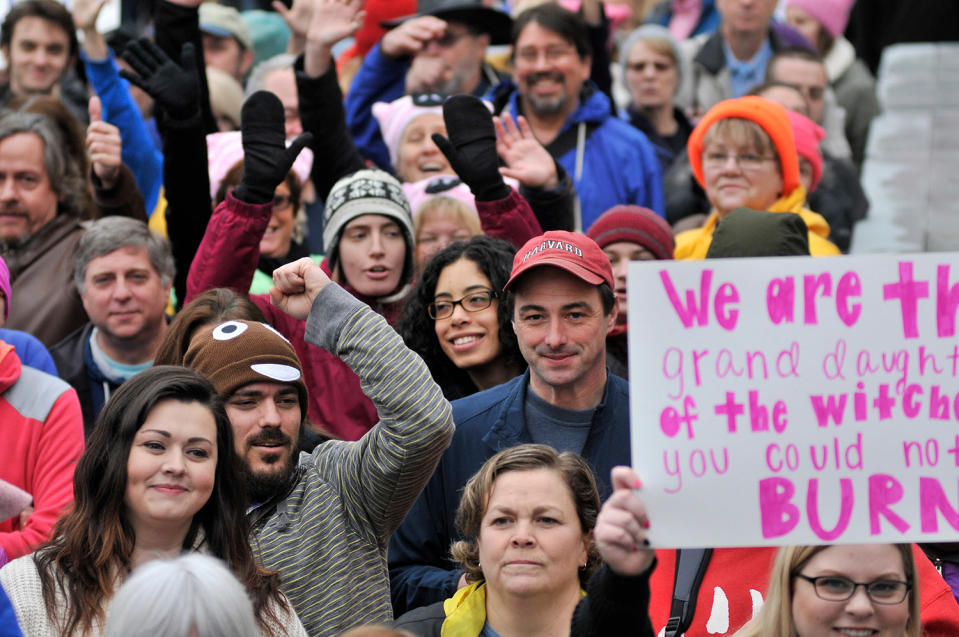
(576, 253)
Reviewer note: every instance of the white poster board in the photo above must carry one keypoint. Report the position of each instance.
(796, 400)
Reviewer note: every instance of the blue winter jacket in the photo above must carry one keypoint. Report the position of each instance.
(138, 150)
(487, 422)
(708, 22)
(619, 162)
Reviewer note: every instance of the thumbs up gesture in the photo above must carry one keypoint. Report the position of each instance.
(103, 146)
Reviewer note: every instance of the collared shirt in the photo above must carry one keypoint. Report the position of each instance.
(744, 75)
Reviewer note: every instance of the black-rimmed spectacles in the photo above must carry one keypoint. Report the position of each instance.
(472, 302)
(834, 588)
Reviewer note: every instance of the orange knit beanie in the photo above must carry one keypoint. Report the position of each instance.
(770, 116)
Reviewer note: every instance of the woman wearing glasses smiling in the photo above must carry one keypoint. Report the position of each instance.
(456, 319)
(859, 590)
(743, 154)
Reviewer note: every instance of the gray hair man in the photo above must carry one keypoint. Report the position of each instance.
(123, 273)
(40, 187)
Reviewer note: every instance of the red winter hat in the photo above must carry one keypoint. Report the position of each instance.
(576, 253)
(808, 135)
(634, 224)
(770, 116)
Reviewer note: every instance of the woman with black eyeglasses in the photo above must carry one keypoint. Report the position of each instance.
(457, 321)
(851, 590)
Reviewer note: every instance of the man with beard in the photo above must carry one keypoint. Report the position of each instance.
(610, 161)
(439, 50)
(560, 297)
(41, 191)
(323, 520)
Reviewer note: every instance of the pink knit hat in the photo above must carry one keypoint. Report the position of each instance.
(808, 134)
(448, 185)
(395, 116)
(831, 14)
(224, 150)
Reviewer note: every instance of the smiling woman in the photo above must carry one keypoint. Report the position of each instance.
(456, 321)
(743, 153)
(853, 591)
(159, 476)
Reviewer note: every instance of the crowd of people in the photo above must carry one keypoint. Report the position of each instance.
(314, 313)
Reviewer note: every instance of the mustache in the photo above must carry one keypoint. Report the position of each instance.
(533, 78)
(268, 436)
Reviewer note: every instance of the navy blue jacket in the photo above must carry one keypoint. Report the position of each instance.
(421, 572)
(619, 162)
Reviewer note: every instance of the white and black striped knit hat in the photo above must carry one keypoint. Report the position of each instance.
(366, 192)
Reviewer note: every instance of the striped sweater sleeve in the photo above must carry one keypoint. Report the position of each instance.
(382, 474)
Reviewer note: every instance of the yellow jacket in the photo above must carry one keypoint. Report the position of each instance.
(693, 244)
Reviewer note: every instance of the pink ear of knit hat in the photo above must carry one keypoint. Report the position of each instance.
(225, 149)
(831, 14)
(808, 134)
(447, 185)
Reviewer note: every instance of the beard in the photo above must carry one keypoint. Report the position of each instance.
(545, 105)
(263, 485)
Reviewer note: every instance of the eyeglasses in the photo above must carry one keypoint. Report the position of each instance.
(834, 588)
(746, 161)
(553, 54)
(472, 302)
(282, 202)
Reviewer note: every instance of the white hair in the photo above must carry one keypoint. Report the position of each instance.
(192, 594)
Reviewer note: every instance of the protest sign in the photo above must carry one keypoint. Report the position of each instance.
(795, 400)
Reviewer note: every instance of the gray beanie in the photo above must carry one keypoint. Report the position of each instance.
(366, 192)
(646, 32)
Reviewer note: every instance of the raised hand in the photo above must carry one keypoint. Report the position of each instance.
(104, 146)
(176, 88)
(266, 158)
(297, 17)
(295, 286)
(471, 147)
(85, 13)
(332, 21)
(526, 160)
(412, 36)
(620, 531)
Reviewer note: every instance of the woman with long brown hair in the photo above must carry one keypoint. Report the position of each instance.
(159, 477)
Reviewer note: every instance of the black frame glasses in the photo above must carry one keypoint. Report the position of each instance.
(872, 589)
(475, 301)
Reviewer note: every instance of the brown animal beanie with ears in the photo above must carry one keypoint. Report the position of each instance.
(238, 353)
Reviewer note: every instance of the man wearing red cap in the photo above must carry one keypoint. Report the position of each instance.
(561, 300)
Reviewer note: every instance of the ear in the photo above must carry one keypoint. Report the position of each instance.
(5, 49)
(587, 68)
(613, 313)
(246, 61)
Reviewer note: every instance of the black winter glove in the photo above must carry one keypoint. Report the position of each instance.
(266, 158)
(176, 88)
(471, 147)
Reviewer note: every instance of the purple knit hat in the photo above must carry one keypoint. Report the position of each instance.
(5, 287)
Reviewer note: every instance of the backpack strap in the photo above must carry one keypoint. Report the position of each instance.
(691, 566)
